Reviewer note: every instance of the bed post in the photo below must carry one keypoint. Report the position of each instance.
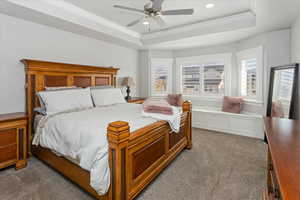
(187, 107)
(118, 136)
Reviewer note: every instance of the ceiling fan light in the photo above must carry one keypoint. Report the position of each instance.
(146, 23)
(210, 5)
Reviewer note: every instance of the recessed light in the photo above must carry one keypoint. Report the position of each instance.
(210, 5)
(145, 23)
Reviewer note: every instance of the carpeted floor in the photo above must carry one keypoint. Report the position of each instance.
(219, 167)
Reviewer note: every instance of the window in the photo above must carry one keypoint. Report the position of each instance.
(205, 79)
(204, 76)
(250, 74)
(248, 78)
(161, 76)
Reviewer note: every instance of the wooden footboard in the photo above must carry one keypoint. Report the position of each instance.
(136, 158)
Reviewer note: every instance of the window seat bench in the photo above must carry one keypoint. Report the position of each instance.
(244, 124)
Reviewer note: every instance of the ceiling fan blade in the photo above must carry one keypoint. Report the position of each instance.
(135, 22)
(157, 4)
(178, 12)
(128, 8)
(160, 21)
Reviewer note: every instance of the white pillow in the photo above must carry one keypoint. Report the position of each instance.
(109, 96)
(42, 104)
(63, 100)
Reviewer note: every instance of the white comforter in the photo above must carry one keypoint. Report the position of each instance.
(81, 136)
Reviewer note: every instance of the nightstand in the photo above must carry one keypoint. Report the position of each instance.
(137, 100)
(13, 140)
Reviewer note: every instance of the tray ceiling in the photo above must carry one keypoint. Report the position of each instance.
(104, 8)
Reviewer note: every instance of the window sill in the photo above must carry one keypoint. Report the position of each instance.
(220, 99)
(253, 102)
(207, 98)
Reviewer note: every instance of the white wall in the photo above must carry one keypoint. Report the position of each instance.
(295, 40)
(144, 73)
(22, 39)
(217, 49)
(295, 48)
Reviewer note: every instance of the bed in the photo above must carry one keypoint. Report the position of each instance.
(135, 157)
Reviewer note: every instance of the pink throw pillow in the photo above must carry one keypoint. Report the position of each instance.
(175, 99)
(277, 109)
(232, 104)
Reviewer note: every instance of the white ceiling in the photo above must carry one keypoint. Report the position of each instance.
(105, 9)
(228, 21)
(271, 15)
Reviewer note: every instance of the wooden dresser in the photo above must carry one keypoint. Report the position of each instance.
(283, 180)
(13, 137)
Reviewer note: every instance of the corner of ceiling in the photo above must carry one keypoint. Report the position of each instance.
(66, 16)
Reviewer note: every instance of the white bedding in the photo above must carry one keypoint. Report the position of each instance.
(81, 135)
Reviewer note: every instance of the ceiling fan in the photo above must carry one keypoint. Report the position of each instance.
(153, 10)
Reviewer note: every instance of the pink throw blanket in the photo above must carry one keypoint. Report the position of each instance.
(157, 106)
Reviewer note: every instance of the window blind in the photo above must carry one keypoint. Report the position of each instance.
(249, 77)
(203, 79)
(159, 78)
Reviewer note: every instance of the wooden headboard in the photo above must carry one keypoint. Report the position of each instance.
(41, 74)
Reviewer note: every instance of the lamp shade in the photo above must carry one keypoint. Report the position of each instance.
(128, 81)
